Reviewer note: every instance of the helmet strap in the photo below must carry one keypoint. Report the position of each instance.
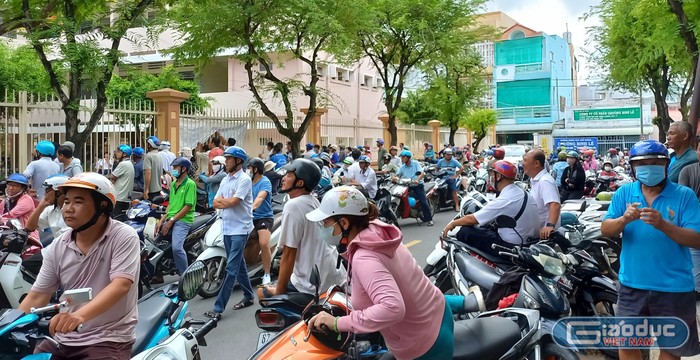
(96, 217)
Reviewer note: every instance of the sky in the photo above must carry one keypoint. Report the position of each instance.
(552, 17)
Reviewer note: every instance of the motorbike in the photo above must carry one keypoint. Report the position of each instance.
(507, 334)
(440, 196)
(182, 345)
(383, 201)
(482, 179)
(161, 313)
(214, 257)
(402, 204)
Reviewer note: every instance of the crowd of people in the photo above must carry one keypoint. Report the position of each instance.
(658, 217)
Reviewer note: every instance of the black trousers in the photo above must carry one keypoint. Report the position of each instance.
(482, 239)
(571, 194)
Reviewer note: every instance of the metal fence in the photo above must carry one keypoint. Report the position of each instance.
(26, 119)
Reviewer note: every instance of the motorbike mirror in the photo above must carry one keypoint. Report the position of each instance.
(191, 281)
(76, 296)
(315, 277)
(505, 222)
(584, 205)
(158, 200)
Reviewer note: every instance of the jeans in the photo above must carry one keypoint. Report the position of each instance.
(418, 192)
(235, 271)
(482, 238)
(179, 233)
(695, 255)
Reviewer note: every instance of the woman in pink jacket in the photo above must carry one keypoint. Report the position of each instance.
(17, 203)
(390, 293)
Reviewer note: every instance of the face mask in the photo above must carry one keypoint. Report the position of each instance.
(608, 168)
(176, 173)
(650, 175)
(571, 161)
(328, 237)
(216, 168)
(249, 173)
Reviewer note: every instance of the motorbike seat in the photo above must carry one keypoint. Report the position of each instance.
(484, 338)
(476, 271)
(277, 209)
(429, 186)
(200, 220)
(152, 312)
(502, 263)
(295, 299)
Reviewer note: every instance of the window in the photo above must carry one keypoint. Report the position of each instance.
(321, 70)
(156, 65)
(517, 34)
(367, 81)
(261, 68)
(187, 75)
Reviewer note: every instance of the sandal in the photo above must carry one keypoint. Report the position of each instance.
(213, 315)
(243, 304)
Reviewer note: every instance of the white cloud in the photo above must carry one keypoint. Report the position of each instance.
(552, 17)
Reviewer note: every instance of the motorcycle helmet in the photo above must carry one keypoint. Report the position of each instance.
(505, 168)
(138, 151)
(258, 164)
(562, 155)
(325, 157)
(648, 149)
(363, 159)
(499, 153)
(182, 162)
(126, 149)
(236, 152)
(318, 162)
(406, 153)
(343, 200)
(305, 170)
(447, 151)
(98, 183)
(568, 218)
(380, 141)
(473, 202)
(386, 157)
(18, 178)
(153, 142)
(604, 196)
(54, 181)
(572, 154)
(613, 151)
(45, 148)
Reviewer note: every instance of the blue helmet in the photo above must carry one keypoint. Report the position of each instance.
(364, 159)
(236, 152)
(45, 147)
(309, 146)
(138, 151)
(406, 153)
(648, 149)
(153, 141)
(19, 179)
(183, 162)
(126, 149)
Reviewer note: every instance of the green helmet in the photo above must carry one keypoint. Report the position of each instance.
(604, 196)
(562, 155)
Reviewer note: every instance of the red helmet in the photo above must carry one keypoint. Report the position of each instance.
(505, 168)
(612, 151)
(499, 153)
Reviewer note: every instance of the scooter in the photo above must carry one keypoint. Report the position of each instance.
(440, 196)
(182, 345)
(402, 204)
(15, 280)
(383, 201)
(482, 179)
(507, 334)
(214, 257)
(161, 313)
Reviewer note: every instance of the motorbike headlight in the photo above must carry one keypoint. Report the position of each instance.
(530, 303)
(574, 236)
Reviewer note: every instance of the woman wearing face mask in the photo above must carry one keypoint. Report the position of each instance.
(17, 204)
(574, 178)
(590, 163)
(390, 293)
(212, 182)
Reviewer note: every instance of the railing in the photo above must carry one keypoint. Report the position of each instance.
(524, 68)
(524, 112)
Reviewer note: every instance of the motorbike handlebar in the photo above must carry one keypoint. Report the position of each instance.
(200, 333)
(497, 247)
(509, 254)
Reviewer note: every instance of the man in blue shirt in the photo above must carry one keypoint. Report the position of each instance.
(659, 221)
(454, 169)
(412, 170)
(137, 159)
(235, 199)
(262, 212)
(679, 138)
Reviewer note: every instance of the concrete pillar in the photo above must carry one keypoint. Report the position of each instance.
(385, 130)
(167, 103)
(313, 134)
(435, 124)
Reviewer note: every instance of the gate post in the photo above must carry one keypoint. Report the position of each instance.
(313, 133)
(435, 124)
(22, 132)
(167, 103)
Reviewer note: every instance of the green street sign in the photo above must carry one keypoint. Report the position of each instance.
(607, 114)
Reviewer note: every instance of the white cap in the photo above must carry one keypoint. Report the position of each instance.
(343, 200)
(219, 159)
(269, 165)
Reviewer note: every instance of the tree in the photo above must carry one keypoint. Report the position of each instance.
(20, 69)
(416, 108)
(479, 122)
(75, 37)
(639, 47)
(269, 33)
(456, 86)
(400, 36)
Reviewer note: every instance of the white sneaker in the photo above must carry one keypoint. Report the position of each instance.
(266, 279)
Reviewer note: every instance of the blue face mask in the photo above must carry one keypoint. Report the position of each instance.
(176, 173)
(650, 175)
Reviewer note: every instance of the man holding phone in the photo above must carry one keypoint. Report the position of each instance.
(659, 221)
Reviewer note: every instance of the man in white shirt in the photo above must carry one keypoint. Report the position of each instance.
(235, 199)
(366, 178)
(544, 191)
(300, 238)
(512, 201)
(354, 169)
(167, 155)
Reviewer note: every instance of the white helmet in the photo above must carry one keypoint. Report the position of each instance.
(343, 200)
(54, 181)
(219, 160)
(92, 181)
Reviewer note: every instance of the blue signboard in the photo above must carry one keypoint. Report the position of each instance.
(577, 143)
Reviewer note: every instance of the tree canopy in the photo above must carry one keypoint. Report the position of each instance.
(479, 122)
(20, 69)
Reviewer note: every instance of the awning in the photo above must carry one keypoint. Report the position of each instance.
(523, 128)
(601, 131)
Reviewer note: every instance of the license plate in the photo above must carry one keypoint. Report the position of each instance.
(264, 338)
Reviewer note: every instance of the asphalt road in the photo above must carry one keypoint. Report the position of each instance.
(236, 336)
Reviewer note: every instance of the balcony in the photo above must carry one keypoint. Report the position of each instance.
(526, 114)
(526, 68)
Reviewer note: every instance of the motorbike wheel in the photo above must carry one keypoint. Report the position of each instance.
(391, 220)
(214, 278)
(434, 204)
(552, 351)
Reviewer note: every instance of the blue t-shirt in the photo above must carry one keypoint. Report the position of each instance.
(265, 209)
(442, 163)
(650, 260)
(138, 175)
(410, 170)
(279, 159)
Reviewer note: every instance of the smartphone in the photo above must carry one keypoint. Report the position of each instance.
(76, 296)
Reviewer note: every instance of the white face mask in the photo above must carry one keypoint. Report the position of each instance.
(216, 167)
(248, 172)
(608, 168)
(328, 237)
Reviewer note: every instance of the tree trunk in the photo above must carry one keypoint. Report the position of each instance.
(453, 131)
(664, 117)
(393, 131)
(477, 141)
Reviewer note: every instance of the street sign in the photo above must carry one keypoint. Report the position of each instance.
(576, 143)
(627, 113)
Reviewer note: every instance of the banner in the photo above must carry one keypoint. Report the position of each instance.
(628, 113)
(577, 143)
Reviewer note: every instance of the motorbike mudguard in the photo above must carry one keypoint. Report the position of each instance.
(212, 252)
(37, 357)
(290, 344)
(437, 254)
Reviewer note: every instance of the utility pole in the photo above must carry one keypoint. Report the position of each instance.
(641, 116)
